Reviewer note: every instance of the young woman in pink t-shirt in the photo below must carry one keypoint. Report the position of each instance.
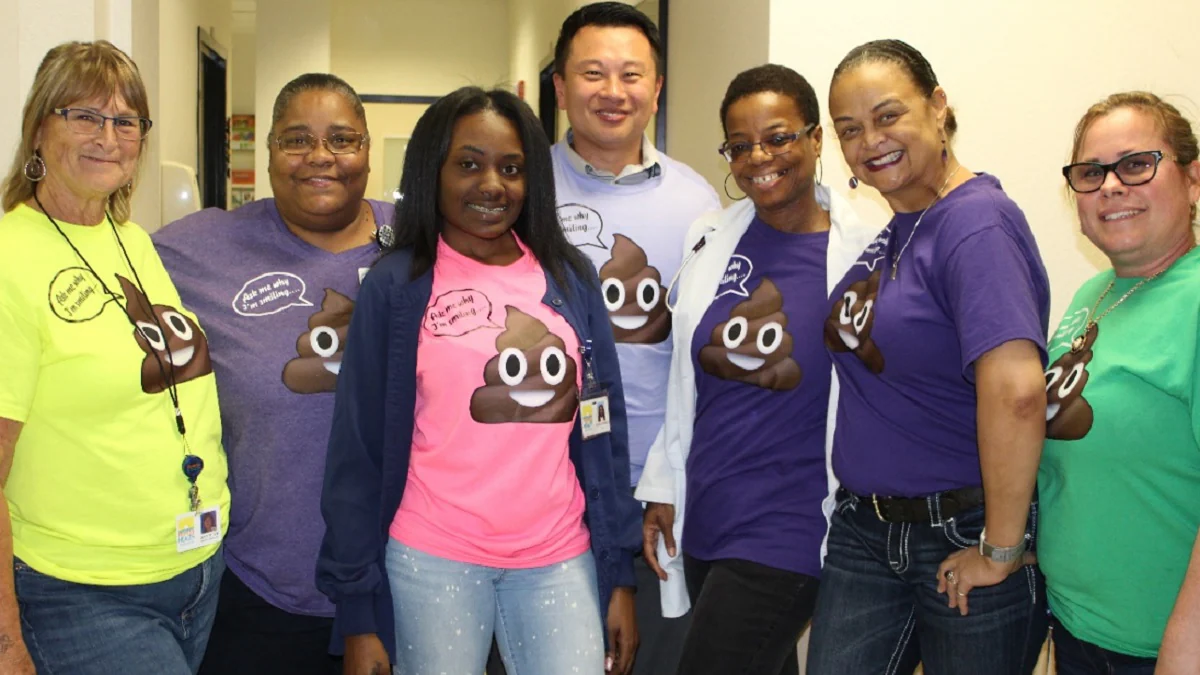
(470, 477)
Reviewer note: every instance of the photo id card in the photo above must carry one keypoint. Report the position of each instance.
(594, 416)
(195, 529)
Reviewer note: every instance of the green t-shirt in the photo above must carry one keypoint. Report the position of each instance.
(96, 481)
(1119, 481)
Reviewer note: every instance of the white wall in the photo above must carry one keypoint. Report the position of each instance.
(293, 37)
(1019, 74)
(147, 197)
(708, 44)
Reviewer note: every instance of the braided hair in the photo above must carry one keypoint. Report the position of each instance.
(907, 57)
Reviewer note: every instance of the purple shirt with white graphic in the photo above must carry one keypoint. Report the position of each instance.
(756, 470)
(275, 310)
(970, 280)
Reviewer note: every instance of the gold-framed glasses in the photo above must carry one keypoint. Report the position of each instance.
(337, 143)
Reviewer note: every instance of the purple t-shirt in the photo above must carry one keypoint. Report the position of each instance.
(756, 470)
(275, 310)
(970, 280)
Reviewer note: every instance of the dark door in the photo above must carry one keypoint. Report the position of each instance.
(214, 130)
(547, 103)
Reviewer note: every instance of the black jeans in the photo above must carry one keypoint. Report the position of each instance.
(1076, 657)
(746, 618)
(251, 636)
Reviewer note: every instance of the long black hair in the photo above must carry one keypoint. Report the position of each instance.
(418, 220)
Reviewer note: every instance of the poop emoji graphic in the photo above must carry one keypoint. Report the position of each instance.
(320, 349)
(1068, 414)
(753, 346)
(848, 328)
(531, 379)
(634, 295)
(179, 344)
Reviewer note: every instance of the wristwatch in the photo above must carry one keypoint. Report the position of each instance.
(1001, 554)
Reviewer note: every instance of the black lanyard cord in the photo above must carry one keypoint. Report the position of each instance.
(168, 375)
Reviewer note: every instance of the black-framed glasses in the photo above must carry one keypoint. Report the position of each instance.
(1136, 168)
(90, 122)
(774, 145)
(337, 143)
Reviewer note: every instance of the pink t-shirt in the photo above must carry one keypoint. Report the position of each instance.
(490, 481)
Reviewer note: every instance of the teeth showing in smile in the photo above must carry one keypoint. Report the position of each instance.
(762, 180)
(886, 159)
(1120, 215)
(745, 362)
(484, 209)
(334, 367)
(534, 398)
(1052, 410)
(629, 322)
(849, 339)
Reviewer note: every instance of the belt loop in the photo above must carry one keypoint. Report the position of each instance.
(878, 513)
(934, 503)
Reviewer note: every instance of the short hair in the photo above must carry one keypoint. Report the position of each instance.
(776, 79)
(1175, 128)
(315, 82)
(418, 220)
(910, 61)
(71, 72)
(606, 14)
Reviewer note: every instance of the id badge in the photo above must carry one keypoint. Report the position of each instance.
(196, 529)
(594, 415)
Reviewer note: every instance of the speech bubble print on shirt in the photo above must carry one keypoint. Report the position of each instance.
(316, 368)
(270, 293)
(733, 281)
(634, 295)
(848, 328)
(582, 225)
(179, 345)
(1069, 416)
(754, 346)
(76, 295)
(456, 313)
(530, 379)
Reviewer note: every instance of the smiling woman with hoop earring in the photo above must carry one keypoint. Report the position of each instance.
(743, 450)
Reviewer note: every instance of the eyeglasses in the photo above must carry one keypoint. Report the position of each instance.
(1137, 168)
(90, 122)
(777, 144)
(338, 143)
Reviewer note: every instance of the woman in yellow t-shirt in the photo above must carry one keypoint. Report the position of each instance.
(110, 442)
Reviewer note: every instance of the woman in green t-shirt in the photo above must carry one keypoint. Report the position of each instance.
(1121, 467)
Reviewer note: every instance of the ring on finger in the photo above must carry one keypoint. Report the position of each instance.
(950, 577)
(961, 594)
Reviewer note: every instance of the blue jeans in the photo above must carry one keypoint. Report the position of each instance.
(546, 619)
(878, 609)
(1073, 656)
(150, 629)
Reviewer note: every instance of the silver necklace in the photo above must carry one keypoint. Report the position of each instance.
(936, 198)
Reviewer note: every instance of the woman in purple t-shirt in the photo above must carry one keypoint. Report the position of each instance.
(938, 339)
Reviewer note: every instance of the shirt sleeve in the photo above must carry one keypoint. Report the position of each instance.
(20, 354)
(997, 293)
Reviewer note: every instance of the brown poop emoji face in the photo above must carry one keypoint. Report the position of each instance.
(320, 349)
(634, 295)
(848, 328)
(179, 345)
(1068, 414)
(531, 379)
(753, 346)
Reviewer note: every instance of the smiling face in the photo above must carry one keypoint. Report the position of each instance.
(850, 322)
(531, 378)
(88, 166)
(754, 346)
(890, 133)
(1138, 225)
(609, 88)
(481, 185)
(634, 295)
(178, 351)
(779, 182)
(319, 191)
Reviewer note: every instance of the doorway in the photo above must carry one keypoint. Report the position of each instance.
(212, 148)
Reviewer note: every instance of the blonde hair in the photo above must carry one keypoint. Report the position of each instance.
(70, 72)
(1175, 128)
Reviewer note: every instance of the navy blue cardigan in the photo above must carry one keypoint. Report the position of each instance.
(371, 443)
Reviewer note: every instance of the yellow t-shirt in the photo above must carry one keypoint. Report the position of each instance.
(96, 481)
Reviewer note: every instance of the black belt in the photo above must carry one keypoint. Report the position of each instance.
(918, 509)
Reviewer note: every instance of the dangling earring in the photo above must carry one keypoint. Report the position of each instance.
(736, 199)
(35, 168)
(853, 183)
(820, 171)
(945, 152)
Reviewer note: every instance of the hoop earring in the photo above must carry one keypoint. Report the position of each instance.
(35, 168)
(726, 186)
(820, 170)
